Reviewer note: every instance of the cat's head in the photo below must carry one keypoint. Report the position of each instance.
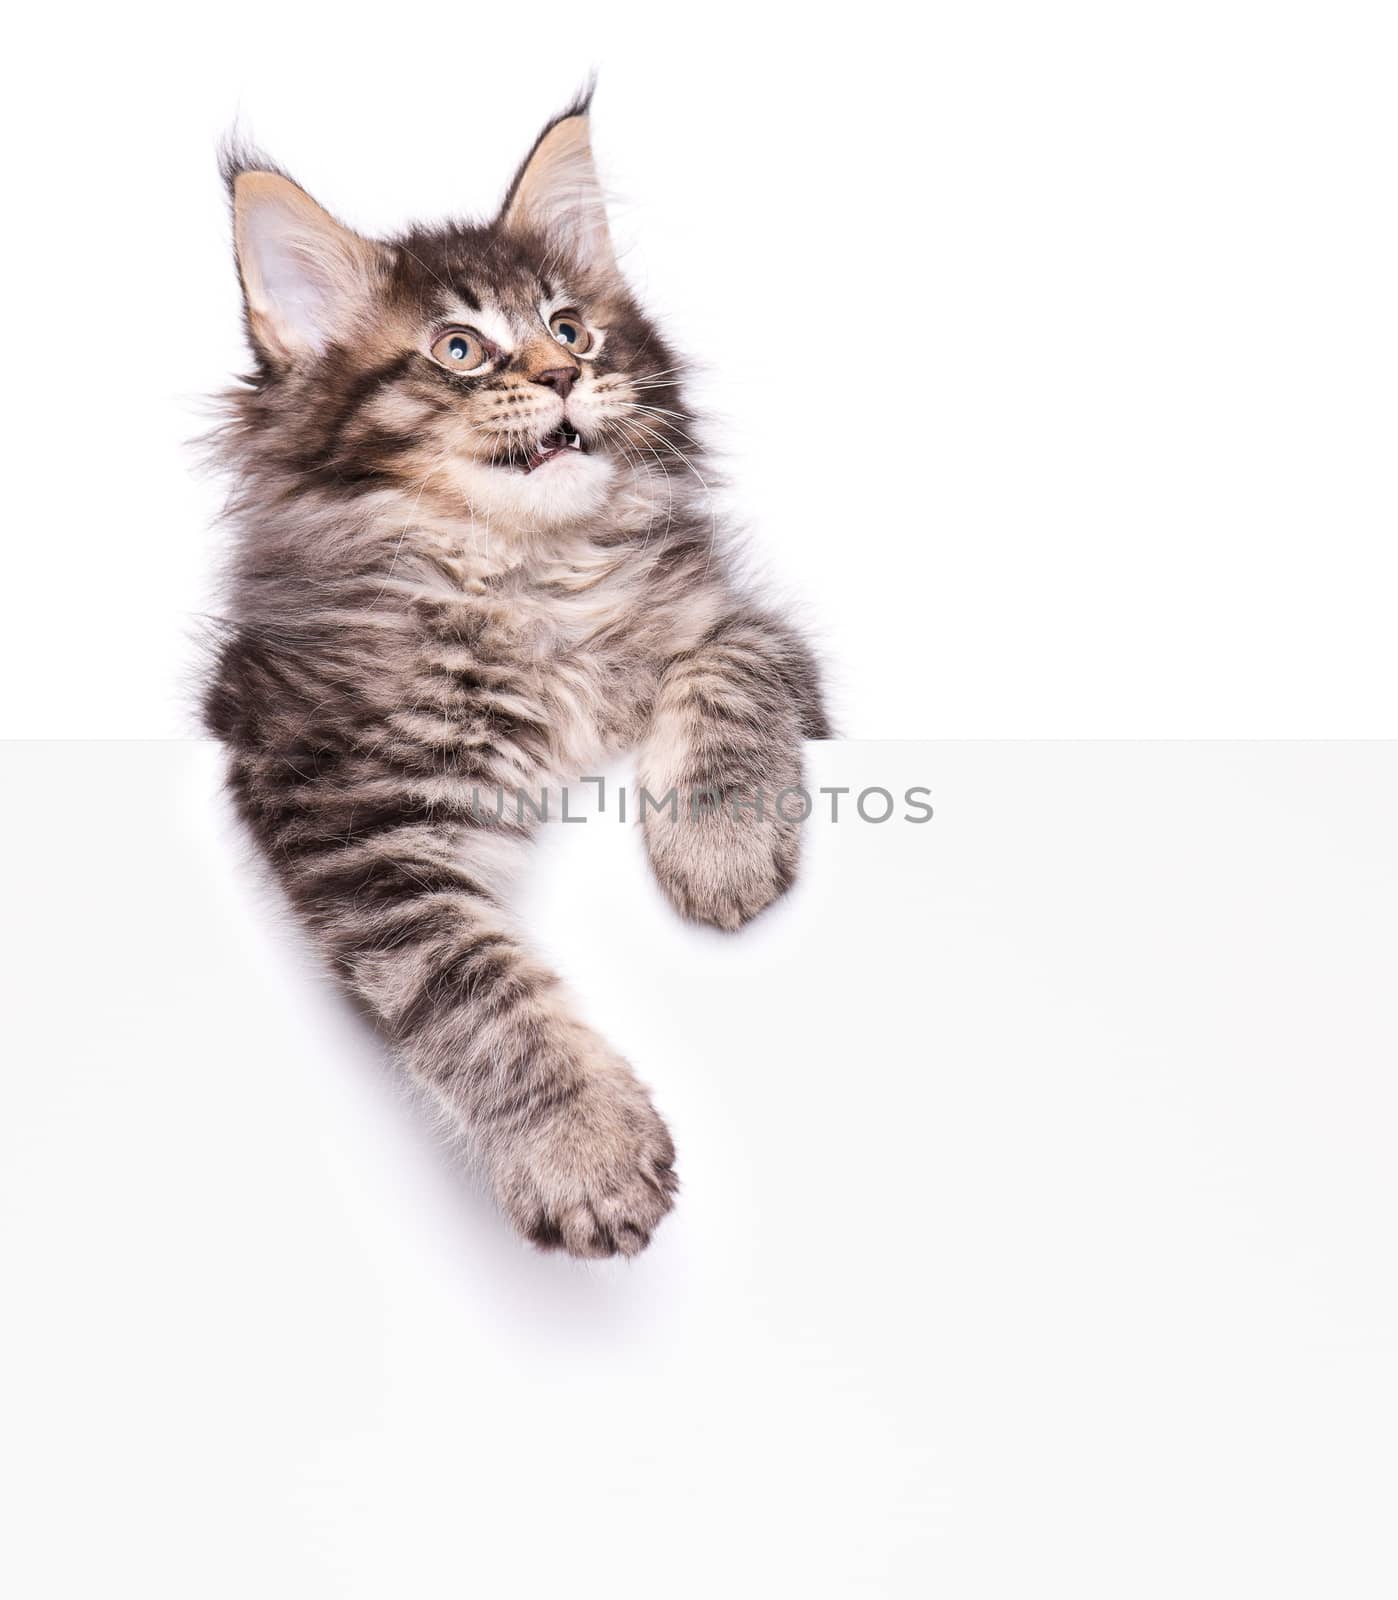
(504, 366)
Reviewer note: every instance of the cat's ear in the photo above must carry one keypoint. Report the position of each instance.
(305, 276)
(556, 192)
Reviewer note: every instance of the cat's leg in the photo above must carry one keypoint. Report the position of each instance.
(412, 905)
(725, 739)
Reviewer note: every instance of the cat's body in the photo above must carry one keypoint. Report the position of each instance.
(452, 585)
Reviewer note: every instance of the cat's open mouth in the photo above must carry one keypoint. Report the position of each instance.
(563, 440)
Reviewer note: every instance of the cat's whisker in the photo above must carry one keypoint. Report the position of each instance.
(672, 373)
(403, 531)
(673, 427)
(713, 512)
(669, 486)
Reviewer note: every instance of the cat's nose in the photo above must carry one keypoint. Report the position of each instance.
(560, 378)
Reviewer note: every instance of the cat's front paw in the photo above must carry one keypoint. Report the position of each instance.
(722, 865)
(596, 1175)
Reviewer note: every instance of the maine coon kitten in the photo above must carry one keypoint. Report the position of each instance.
(471, 555)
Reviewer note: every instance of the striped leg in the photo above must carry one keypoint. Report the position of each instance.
(725, 738)
(413, 908)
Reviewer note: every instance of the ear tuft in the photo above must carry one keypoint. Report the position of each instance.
(556, 191)
(304, 274)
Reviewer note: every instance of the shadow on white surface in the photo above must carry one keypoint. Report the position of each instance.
(1035, 1233)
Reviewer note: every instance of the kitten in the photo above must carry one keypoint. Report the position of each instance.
(473, 553)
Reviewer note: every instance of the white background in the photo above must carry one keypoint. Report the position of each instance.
(1056, 344)
(1036, 1236)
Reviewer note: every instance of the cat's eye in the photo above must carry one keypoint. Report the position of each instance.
(462, 350)
(567, 327)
